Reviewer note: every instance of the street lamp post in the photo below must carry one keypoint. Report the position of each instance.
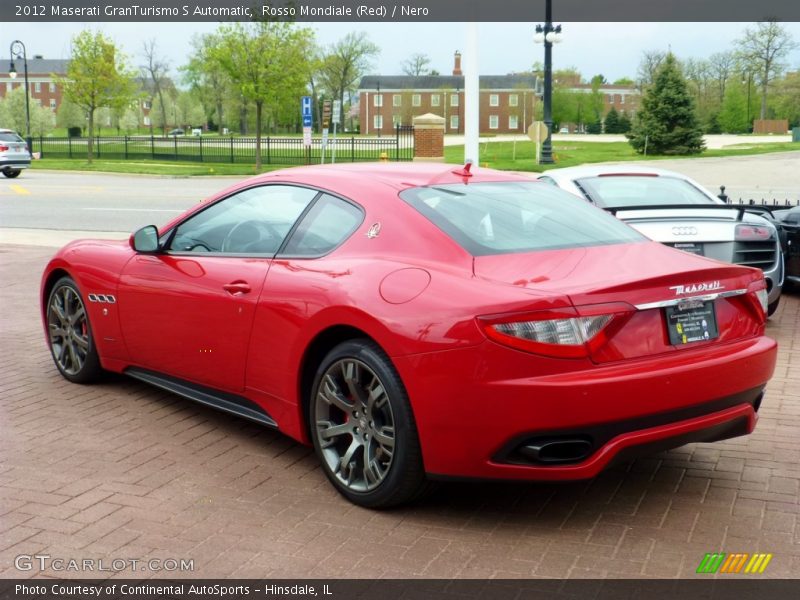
(548, 35)
(17, 50)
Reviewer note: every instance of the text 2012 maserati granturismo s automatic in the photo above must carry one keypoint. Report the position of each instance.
(422, 322)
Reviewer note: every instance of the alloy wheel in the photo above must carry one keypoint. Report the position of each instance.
(355, 425)
(69, 330)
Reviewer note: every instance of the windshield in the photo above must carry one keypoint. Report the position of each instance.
(510, 217)
(640, 190)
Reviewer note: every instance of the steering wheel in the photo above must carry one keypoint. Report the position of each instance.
(251, 235)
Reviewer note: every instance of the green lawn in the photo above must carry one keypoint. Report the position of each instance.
(497, 155)
(500, 155)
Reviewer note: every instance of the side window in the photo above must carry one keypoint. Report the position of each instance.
(253, 221)
(329, 222)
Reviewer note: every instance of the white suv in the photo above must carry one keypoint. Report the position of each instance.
(14, 154)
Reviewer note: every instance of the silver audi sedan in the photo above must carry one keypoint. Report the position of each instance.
(675, 210)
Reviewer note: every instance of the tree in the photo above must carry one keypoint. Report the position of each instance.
(763, 49)
(733, 115)
(611, 124)
(787, 98)
(721, 65)
(97, 75)
(14, 109)
(268, 62)
(667, 122)
(154, 74)
(43, 120)
(69, 115)
(416, 65)
(648, 67)
(624, 81)
(625, 124)
(345, 62)
(129, 122)
(207, 77)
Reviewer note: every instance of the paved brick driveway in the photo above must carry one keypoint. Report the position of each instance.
(121, 470)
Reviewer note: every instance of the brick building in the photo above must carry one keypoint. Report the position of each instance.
(625, 98)
(506, 101)
(41, 77)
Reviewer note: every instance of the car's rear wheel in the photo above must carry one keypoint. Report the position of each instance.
(12, 173)
(70, 334)
(363, 428)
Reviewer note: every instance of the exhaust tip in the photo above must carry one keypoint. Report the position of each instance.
(553, 451)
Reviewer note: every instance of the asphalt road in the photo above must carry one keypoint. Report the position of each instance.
(99, 202)
(90, 202)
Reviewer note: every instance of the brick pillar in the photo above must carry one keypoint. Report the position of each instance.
(429, 138)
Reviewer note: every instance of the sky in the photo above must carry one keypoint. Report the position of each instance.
(610, 49)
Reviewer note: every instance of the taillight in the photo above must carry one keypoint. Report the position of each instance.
(758, 296)
(4, 148)
(564, 333)
(752, 233)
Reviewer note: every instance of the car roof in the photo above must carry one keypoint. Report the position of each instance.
(352, 178)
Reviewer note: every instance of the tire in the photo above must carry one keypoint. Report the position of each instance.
(359, 411)
(12, 173)
(70, 334)
(772, 307)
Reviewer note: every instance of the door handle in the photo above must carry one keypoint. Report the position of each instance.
(237, 288)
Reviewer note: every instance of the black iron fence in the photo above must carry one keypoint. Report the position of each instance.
(773, 203)
(274, 150)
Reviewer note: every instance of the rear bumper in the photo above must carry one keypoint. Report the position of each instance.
(14, 164)
(469, 422)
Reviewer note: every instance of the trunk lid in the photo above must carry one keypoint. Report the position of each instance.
(643, 276)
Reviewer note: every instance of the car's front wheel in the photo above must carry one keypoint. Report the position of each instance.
(12, 173)
(363, 428)
(70, 334)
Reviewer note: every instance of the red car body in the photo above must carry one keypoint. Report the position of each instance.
(428, 303)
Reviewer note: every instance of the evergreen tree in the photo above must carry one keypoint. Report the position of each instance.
(625, 124)
(595, 127)
(667, 122)
(612, 121)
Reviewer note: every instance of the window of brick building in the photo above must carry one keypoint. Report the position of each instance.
(454, 122)
(513, 122)
(435, 99)
(416, 100)
(513, 99)
(377, 122)
(52, 88)
(52, 103)
(453, 99)
(494, 100)
(377, 100)
(494, 121)
(38, 86)
(397, 100)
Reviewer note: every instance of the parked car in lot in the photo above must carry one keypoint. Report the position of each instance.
(176, 132)
(415, 322)
(789, 220)
(14, 154)
(673, 209)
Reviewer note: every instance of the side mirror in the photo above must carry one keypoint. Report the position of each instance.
(145, 239)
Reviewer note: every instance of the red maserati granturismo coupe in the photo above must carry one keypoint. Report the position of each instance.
(420, 322)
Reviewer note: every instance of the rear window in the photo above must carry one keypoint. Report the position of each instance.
(510, 217)
(10, 137)
(640, 190)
